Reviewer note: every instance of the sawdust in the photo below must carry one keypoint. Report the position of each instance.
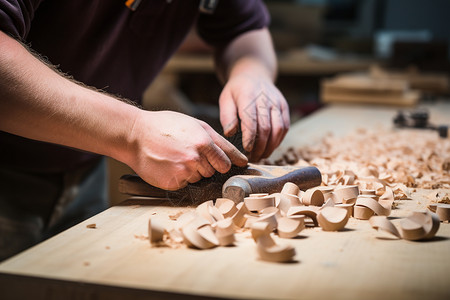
(406, 158)
(141, 237)
(175, 217)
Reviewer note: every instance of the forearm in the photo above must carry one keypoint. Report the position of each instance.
(38, 103)
(251, 52)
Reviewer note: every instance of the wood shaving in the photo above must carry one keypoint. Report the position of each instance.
(418, 226)
(175, 217)
(141, 237)
(398, 158)
(91, 226)
(365, 193)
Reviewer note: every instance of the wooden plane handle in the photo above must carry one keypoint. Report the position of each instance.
(240, 186)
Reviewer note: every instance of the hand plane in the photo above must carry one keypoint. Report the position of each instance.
(236, 184)
(419, 119)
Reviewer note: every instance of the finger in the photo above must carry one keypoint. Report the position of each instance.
(286, 116)
(263, 132)
(248, 116)
(231, 153)
(205, 169)
(194, 177)
(277, 132)
(218, 159)
(228, 114)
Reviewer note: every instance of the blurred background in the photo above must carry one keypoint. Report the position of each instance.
(328, 51)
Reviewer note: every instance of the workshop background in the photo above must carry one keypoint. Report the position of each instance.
(316, 41)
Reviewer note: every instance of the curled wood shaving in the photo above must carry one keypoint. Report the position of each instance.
(290, 227)
(418, 226)
(332, 218)
(259, 203)
(266, 247)
(413, 158)
(288, 212)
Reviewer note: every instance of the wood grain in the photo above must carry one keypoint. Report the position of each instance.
(113, 262)
(354, 262)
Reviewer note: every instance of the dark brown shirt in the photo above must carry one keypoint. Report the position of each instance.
(104, 44)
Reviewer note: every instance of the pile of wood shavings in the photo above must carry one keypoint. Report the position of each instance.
(413, 158)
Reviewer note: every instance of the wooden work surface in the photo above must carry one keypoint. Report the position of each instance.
(112, 262)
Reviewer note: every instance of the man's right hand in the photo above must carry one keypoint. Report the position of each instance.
(166, 149)
(170, 150)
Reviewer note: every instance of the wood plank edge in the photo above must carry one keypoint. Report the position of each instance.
(15, 286)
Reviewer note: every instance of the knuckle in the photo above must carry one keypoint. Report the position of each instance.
(190, 160)
(265, 130)
(204, 144)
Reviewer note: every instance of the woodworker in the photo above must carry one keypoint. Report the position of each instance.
(64, 67)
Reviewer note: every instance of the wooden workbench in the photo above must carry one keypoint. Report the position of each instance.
(294, 63)
(112, 262)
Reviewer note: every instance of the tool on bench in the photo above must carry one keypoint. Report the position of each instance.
(236, 184)
(419, 119)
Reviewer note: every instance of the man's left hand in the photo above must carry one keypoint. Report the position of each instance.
(262, 110)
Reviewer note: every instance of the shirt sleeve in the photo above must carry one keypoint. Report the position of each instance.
(230, 19)
(16, 16)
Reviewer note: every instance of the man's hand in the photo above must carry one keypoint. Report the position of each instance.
(166, 149)
(170, 150)
(248, 67)
(262, 110)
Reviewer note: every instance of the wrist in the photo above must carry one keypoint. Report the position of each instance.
(250, 66)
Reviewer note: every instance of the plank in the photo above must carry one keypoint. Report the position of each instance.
(355, 262)
(109, 262)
